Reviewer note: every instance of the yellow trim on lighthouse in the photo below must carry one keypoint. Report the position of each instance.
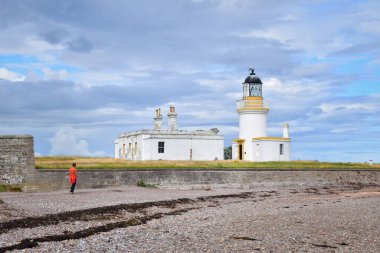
(239, 142)
(270, 139)
(254, 98)
(252, 103)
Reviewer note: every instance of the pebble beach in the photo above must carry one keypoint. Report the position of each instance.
(136, 219)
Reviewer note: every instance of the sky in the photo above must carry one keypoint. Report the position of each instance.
(75, 74)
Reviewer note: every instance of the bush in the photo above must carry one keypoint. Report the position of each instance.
(9, 188)
(228, 153)
(141, 183)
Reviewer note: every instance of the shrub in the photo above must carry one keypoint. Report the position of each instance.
(9, 188)
(228, 153)
(141, 183)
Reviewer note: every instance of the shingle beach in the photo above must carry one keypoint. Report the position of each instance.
(134, 219)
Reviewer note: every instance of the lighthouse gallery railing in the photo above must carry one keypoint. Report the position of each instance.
(245, 104)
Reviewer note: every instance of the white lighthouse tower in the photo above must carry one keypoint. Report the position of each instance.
(253, 143)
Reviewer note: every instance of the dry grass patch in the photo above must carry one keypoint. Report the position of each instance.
(112, 163)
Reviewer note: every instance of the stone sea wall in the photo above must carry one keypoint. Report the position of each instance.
(16, 158)
(201, 179)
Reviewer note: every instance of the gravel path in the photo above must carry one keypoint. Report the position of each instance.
(132, 219)
(40, 203)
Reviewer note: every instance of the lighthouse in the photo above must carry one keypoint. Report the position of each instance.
(253, 143)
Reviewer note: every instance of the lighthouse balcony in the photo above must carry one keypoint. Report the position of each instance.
(248, 104)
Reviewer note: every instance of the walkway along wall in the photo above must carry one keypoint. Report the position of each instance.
(16, 158)
(201, 179)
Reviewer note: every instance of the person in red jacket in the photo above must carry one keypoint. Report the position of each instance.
(73, 177)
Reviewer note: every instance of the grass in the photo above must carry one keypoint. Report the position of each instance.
(141, 183)
(9, 188)
(112, 163)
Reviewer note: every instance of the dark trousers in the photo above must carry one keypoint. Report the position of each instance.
(73, 186)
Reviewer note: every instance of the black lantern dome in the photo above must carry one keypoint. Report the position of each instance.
(252, 78)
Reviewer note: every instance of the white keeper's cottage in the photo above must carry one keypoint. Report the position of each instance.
(171, 143)
(253, 143)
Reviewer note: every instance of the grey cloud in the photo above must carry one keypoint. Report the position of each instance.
(57, 36)
(62, 37)
(38, 97)
(80, 45)
(359, 49)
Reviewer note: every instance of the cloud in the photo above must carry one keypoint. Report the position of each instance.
(80, 45)
(67, 141)
(57, 36)
(57, 75)
(10, 76)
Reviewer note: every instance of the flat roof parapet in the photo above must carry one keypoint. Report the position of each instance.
(172, 132)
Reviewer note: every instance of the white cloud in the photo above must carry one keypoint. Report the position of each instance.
(350, 107)
(293, 87)
(67, 141)
(289, 18)
(10, 76)
(218, 84)
(50, 74)
(302, 35)
(343, 130)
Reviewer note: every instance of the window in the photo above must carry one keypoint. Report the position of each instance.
(135, 147)
(161, 147)
(129, 147)
(123, 149)
(281, 149)
(255, 90)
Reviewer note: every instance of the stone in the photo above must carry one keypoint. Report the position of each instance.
(16, 158)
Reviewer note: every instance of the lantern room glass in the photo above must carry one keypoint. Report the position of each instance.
(255, 90)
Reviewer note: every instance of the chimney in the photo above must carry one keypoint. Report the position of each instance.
(285, 131)
(158, 120)
(172, 119)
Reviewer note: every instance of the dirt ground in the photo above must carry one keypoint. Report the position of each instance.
(132, 219)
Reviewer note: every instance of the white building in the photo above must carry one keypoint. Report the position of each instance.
(170, 144)
(253, 143)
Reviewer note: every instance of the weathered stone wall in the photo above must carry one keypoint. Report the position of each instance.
(16, 158)
(201, 179)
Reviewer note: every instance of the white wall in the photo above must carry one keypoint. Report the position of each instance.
(252, 124)
(130, 153)
(269, 150)
(176, 147)
(179, 149)
(234, 151)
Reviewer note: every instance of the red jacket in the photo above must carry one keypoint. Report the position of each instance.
(73, 175)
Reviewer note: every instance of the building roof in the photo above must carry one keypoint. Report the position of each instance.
(252, 78)
(173, 133)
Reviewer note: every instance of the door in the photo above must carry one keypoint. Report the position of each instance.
(240, 151)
